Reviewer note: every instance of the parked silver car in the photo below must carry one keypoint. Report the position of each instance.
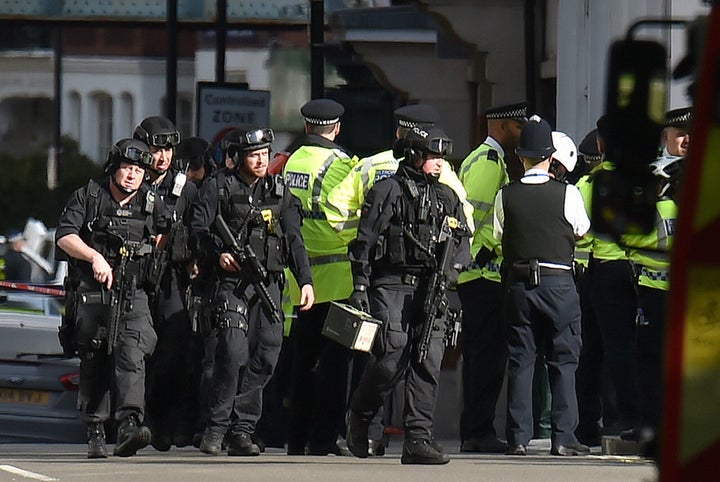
(38, 384)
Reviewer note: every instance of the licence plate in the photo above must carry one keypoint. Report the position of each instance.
(28, 397)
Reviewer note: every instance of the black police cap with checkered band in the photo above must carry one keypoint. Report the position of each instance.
(416, 114)
(679, 118)
(322, 112)
(510, 111)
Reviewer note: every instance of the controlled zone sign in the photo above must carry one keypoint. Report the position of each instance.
(223, 105)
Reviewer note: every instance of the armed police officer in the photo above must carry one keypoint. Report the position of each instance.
(171, 392)
(248, 225)
(412, 234)
(107, 231)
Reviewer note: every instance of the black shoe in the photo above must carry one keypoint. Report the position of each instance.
(211, 442)
(196, 439)
(131, 437)
(241, 444)
(631, 435)
(376, 448)
(161, 441)
(516, 450)
(488, 444)
(96, 441)
(357, 434)
(569, 450)
(423, 452)
(260, 443)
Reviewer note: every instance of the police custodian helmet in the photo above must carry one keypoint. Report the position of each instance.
(422, 139)
(157, 131)
(536, 139)
(131, 151)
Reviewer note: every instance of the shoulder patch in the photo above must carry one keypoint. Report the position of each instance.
(493, 155)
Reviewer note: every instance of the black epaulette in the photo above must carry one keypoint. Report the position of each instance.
(493, 155)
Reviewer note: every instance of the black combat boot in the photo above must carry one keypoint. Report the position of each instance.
(423, 452)
(96, 441)
(357, 433)
(241, 444)
(131, 436)
(211, 442)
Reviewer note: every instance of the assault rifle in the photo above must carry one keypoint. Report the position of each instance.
(121, 294)
(436, 306)
(252, 271)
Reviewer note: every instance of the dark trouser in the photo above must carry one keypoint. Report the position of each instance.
(614, 303)
(484, 350)
(245, 359)
(318, 399)
(650, 345)
(172, 384)
(548, 313)
(209, 343)
(125, 366)
(400, 307)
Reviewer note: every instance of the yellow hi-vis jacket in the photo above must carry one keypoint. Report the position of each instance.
(346, 199)
(310, 173)
(604, 247)
(483, 173)
(651, 252)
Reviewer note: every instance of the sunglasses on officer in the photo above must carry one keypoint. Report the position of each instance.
(159, 140)
(440, 145)
(134, 155)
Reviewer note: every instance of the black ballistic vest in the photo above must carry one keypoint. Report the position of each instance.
(535, 226)
(410, 241)
(253, 215)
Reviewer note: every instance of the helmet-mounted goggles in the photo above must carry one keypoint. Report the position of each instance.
(440, 145)
(132, 155)
(249, 139)
(160, 139)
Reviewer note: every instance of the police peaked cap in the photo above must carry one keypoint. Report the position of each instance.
(322, 112)
(536, 139)
(588, 147)
(679, 118)
(415, 114)
(510, 111)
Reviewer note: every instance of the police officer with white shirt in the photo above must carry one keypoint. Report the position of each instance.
(538, 219)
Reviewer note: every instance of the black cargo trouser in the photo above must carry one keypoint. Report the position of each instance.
(125, 366)
(248, 347)
(400, 307)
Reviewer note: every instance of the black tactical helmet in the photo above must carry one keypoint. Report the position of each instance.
(193, 151)
(157, 131)
(246, 140)
(128, 150)
(422, 139)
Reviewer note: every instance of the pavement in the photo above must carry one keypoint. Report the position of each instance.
(67, 462)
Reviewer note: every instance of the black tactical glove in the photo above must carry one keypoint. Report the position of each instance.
(359, 299)
(483, 256)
